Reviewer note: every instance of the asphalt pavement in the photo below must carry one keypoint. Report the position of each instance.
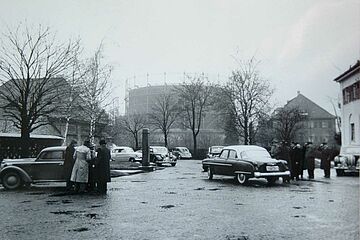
(181, 203)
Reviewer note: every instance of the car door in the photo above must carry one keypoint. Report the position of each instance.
(221, 164)
(49, 166)
(232, 162)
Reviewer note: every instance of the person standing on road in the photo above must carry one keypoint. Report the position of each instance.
(295, 157)
(80, 172)
(102, 167)
(310, 154)
(69, 164)
(284, 154)
(325, 163)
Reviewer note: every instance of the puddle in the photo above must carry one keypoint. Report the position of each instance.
(36, 193)
(239, 204)
(51, 202)
(331, 200)
(26, 201)
(66, 212)
(198, 189)
(167, 206)
(299, 216)
(83, 229)
(144, 202)
(170, 193)
(214, 189)
(233, 237)
(66, 201)
(95, 206)
(137, 181)
(297, 207)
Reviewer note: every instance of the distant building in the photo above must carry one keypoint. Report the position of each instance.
(350, 110)
(141, 100)
(319, 125)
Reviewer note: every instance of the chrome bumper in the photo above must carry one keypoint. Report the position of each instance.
(271, 174)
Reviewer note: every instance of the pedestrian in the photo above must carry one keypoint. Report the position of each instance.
(296, 155)
(325, 163)
(80, 172)
(284, 154)
(91, 186)
(310, 154)
(102, 167)
(303, 161)
(69, 164)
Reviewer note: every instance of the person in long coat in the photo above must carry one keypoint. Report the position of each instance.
(325, 163)
(80, 172)
(102, 167)
(296, 155)
(69, 163)
(310, 154)
(284, 154)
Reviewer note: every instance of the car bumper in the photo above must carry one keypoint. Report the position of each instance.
(271, 174)
(350, 169)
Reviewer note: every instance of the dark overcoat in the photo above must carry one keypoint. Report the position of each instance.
(68, 162)
(102, 165)
(310, 154)
(325, 159)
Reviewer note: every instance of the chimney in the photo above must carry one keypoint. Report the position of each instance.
(298, 92)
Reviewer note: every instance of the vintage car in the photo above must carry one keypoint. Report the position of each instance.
(47, 167)
(182, 153)
(161, 155)
(245, 162)
(214, 151)
(347, 163)
(125, 154)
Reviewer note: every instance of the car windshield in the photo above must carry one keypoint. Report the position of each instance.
(183, 150)
(255, 154)
(161, 150)
(216, 149)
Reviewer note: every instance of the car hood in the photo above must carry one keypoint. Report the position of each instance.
(18, 160)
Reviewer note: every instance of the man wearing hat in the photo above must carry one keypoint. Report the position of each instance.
(69, 164)
(102, 167)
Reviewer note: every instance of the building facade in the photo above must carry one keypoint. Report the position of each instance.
(319, 126)
(350, 110)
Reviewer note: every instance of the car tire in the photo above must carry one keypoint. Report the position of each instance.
(210, 173)
(173, 164)
(131, 159)
(340, 172)
(241, 178)
(271, 180)
(11, 180)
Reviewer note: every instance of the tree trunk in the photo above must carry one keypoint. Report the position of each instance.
(136, 141)
(92, 130)
(25, 142)
(66, 130)
(166, 140)
(195, 145)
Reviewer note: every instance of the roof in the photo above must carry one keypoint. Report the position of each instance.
(62, 148)
(313, 110)
(348, 73)
(18, 135)
(241, 148)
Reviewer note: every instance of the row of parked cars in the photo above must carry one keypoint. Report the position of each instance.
(159, 155)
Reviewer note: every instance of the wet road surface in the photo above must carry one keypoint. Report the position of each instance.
(181, 203)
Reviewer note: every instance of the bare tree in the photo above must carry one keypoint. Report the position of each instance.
(96, 90)
(286, 123)
(164, 114)
(195, 97)
(133, 124)
(30, 61)
(247, 96)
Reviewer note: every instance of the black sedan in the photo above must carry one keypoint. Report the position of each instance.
(244, 162)
(47, 167)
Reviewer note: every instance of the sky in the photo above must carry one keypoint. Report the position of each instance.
(302, 45)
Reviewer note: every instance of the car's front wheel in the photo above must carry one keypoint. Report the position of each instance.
(210, 173)
(340, 172)
(11, 180)
(241, 178)
(173, 164)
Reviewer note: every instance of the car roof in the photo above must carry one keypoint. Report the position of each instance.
(241, 148)
(62, 148)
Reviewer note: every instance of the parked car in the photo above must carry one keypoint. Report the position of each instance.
(245, 162)
(161, 155)
(214, 151)
(125, 154)
(346, 163)
(182, 153)
(47, 167)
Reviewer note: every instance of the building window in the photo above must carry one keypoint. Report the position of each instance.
(351, 93)
(324, 124)
(352, 131)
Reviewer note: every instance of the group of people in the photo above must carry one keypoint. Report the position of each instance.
(85, 169)
(300, 158)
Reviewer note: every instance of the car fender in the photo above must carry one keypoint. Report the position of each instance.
(245, 167)
(25, 177)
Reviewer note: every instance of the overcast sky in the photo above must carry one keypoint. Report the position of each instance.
(302, 44)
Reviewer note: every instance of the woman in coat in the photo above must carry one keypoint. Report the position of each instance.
(80, 172)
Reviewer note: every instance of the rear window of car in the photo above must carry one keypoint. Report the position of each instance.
(52, 155)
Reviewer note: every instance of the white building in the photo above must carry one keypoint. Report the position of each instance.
(350, 110)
